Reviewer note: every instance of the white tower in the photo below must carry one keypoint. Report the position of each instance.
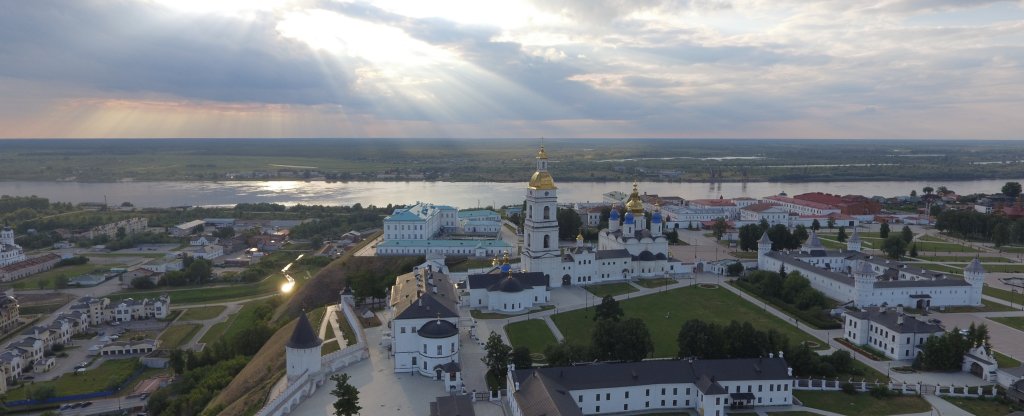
(540, 230)
(613, 220)
(863, 283)
(302, 353)
(853, 243)
(975, 275)
(764, 246)
(656, 223)
(7, 236)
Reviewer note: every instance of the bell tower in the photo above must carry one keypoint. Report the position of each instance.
(540, 229)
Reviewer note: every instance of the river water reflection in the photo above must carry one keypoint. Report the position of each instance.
(460, 194)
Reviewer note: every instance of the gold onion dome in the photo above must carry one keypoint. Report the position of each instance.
(579, 237)
(541, 154)
(542, 180)
(634, 204)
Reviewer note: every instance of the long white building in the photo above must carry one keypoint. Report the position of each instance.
(708, 386)
(866, 280)
(632, 249)
(427, 228)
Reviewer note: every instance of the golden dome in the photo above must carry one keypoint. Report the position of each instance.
(541, 154)
(579, 237)
(634, 204)
(542, 180)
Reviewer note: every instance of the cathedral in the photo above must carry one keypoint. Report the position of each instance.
(10, 252)
(632, 249)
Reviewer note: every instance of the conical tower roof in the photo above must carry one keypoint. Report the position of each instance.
(855, 238)
(814, 242)
(764, 239)
(974, 267)
(303, 336)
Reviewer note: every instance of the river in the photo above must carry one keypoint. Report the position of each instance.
(459, 194)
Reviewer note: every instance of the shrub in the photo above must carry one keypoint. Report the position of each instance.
(848, 388)
(880, 392)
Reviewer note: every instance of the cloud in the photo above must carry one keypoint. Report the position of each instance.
(660, 68)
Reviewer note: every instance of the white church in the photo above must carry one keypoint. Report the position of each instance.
(10, 252)
(632, 249)
(866, 280)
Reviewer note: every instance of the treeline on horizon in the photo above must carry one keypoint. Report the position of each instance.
(509, 159)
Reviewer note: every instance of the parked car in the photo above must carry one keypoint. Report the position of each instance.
(86, 404)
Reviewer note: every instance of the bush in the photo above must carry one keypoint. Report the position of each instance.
(880, 392)
(72, 261)
(848, 388)
(143, 283)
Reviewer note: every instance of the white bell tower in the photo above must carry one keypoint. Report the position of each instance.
(540, 229)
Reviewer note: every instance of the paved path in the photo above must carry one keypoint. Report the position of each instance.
(943, 407)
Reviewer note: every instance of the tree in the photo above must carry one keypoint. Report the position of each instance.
(497, 357)
(841, 237)
(565, 354)
(225, 232)
(749, 234)
(942, 190)
(608, 309)
(699, 339)
(1001, 234)
(121, 233)
(347, 394)
(143, 282)
(633, 342)
(521, 357)
(913, 250)
(913, 194)
(883, 231)
(569, 224)
(719, 228)
(928, 190)
(60, 281)
(894, 247)
(1011, 189)
(907, 234)
(799, 233)
(831, 222)
(815, 225)
(734, 269)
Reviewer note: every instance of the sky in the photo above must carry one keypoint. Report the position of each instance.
(900, 69)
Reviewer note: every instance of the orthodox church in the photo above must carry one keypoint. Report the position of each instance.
(632, 249)
(10, 252)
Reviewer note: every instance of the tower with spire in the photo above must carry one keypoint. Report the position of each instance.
(853, 243)
(975, 275)
(540, 229)
(764, 246)
(302, 353)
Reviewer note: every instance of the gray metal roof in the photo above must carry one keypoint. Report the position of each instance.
(540, 395)
(974, 267)
(303, 336)
(458, 405)
(490, 280)
(890, 319)
(609, 375)
(612, 254)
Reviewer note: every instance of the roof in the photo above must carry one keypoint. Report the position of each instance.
(443, 243)
(612, 254)
(610, 375)
(303, 336)
(438, 329)
(491, 280)
(714, 202)
(761, 207)
(540, 395)
(890, 319)
(458, 405)
(190, 225)
(424, 294)
(974, 267)
(34, 261)
(855, 238)
(801, 202)
(764, 239)
(708, 385)
(478, 213)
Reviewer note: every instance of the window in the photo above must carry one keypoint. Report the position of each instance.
(580, 399)
(424, 348)
(648, 392)
(607, 396)
(414, 361)
(547, 213)
(718, 401)
(598, 409)
(760, 388)
(597, 397)
(675, 390)
(403, 329)
(663, 392)
(675, 403)
(547, 241)
(625, 406)
(662, 403)
(647, 404)
(627, 394)
(438, 350)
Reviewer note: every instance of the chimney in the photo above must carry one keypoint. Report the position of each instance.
(780, 354)
(771, 355)
(899, 320)
(420, 302)
(789, 370)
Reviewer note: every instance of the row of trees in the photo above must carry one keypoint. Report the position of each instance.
(782, 238)
(975, 225)
(793, 293)
(946, 352)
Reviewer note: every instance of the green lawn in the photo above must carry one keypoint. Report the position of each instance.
(478, 314)
(1016, 322)
(665, 312)
(1004, 268)
(216, 331)
(1005, 361)
(653, 283)
(933, 246)
(533, 334)
(1017, 298)
(469, 264)
(177, 335)
(346, 329)
(106, 375)
(965, 259)
(980, 407)
(613, 289)
(987, 306)
(861, 403)
(929, 238)
(32, 282)
(1010, 249)
(202, 313)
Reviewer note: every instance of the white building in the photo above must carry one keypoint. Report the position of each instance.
(302, 352)
(691, 217)
(708, 386)
(889, 330)
(427, 228)
(101, 310)
(186, 228)
(424, 316)
(866, 280)
(632, 249)
(10, 252)
(206, 251)
(507, 291)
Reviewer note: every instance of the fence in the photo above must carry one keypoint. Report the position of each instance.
(903, 388)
